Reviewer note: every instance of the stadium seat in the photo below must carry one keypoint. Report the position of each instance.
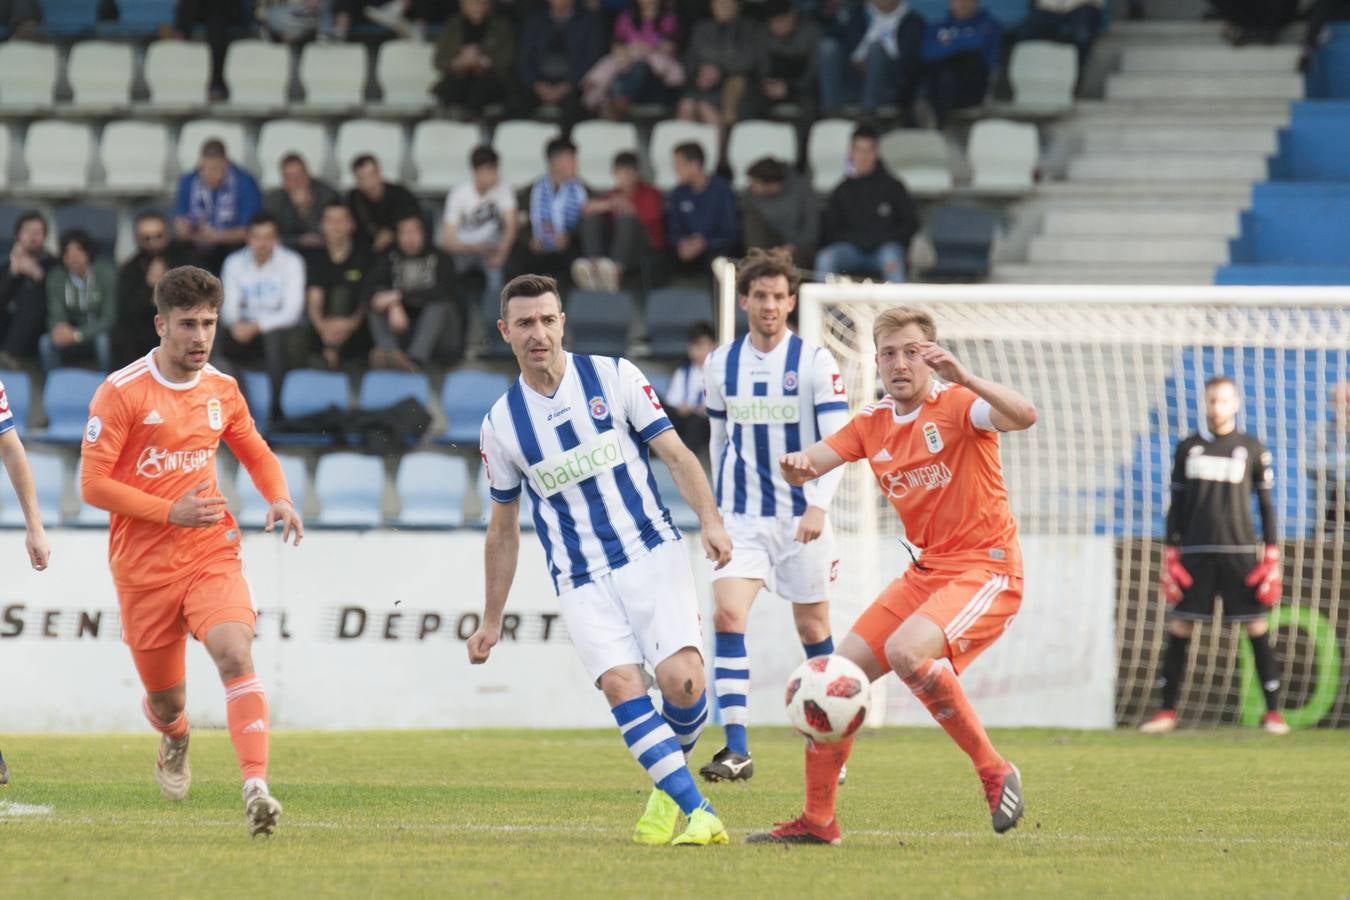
(350, 489)
(6, 154)
(49, 476)
(100, 75)
(440, 153)
(670, 313)
(670, 133)
(142, 18)
(1003, 155)
(405, 74)
(466, 398)
(280, 137)
(380, 388)
(599, 321)
(307, 391)
(197, 132)
(28, 74)
(753, 140)
(57, 155)
(66, 397)
(68, 18)
(963, 237)
(1042, 75)
(257, 388)
(99, 221)
(333, 77)
(383, 140)
(520, 144)
(827, 152)
(431, 488)
(252, 507)
(597, 142)
(258, 74)
(135, 157)
(918, 158)
(177, 75)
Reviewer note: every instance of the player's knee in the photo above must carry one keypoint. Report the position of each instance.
(166, 705)
(621, 684)
(233, 661)
(728, 620)
(680, 677)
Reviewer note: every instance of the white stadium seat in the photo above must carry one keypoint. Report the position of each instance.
(198, 131)
(282, 136)
(258, 74)
(1003, 155)
(100, 74)
(334, 75)
(27, 75)
(440, 153)
(918, 157)
(177, 74)
(670, 133)
(6, 151)
(520, 144)
(406, 74)
(1042, 74)
(597, 142)
(754, 140)
(382, 140)
(135, 156)
(57, 155)
(827, 152)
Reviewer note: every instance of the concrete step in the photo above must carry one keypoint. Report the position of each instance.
(1164, 250)
(1168, 166)
(1195, 139)
(1139, 86)
(1151, 190)
(1152, 31)
(1208, 58)
(1140, 221)
(1036, 273)
(1183, 112)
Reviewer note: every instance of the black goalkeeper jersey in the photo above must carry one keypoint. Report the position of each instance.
(1212, 484)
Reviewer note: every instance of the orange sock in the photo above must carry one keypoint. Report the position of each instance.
(937, 688)
(823, 762)
(246, 712)
(175, 729)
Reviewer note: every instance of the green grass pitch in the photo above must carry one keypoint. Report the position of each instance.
(548, 813)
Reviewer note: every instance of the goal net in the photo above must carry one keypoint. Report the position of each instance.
(1117, 376)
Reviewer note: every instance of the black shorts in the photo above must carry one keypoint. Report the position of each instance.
(1220, 575)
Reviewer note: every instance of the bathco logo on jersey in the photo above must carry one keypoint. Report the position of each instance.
(763, 410)
(563, 470)
(156, 461)
(930, 477)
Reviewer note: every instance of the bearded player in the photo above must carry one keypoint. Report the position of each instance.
(933, 446)
(149, 459)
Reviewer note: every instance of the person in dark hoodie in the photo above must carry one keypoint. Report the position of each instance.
(781, 210)
(134, 333)
(702, 219)
(412, 308)
(23, 290)
(960, 55)
(786, 69)
(556, 50)
(870, 218)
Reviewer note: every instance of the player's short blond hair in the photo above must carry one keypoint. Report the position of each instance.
(898, 317)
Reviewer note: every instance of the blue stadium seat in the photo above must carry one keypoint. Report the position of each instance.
(99, 221)
(252, 507)
(19, 393)
(49, 475)
(598, 321)
(1008, 12)
(257, 388)
(139, 18)
(431, 489)
(466, 397)
(67, 395)
(350, 488)
(963, 237)
(1329, 75)
(308, 391)
(70, 18)
(670, 313)
(383, 388)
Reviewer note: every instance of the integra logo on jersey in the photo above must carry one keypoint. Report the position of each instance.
(558, 473)
(156, 461)
(929, 477)
(763, 410)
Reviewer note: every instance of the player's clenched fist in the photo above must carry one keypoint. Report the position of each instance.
(195, 511)
(482, 641)
(716, 543)
(797, 468)
(1174, 578)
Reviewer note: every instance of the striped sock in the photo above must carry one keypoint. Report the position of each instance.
(246, 714)
(731, 678)
(686, 721)
(654, 746)
(823, 648)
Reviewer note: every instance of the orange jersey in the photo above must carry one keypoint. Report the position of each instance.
(939, 466)
(149, 441)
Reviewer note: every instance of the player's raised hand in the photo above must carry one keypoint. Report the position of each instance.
(195, 511)
(481, 643)
(941, 361)
(39, 548)
(811, 525)
(283, 513)
(797, 468)
(716, 542)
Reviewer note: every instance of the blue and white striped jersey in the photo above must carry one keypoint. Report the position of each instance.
(582, 457)
(763, 405)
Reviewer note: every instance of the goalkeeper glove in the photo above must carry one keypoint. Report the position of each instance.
(1174, 578)
(1267, 577)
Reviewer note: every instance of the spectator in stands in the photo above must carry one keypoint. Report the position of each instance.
(220, 18)
(378, 205)
(214, 204)
(261, 316)
(133, 333)
(558, 47)
(1322, 13)
(299, 203)
(702, 220)
(408, 18)
(781, 210)
(786, 70)
(479, 224)
(871, 56)
(641, 67)
(619, 229)
(297, 21)
(960, 54)
(475, 52)
(556, 203)
(412, 308)
(23, 291)
(81, 306)
(684, 398)
(1255, 21)
(870, 218)
(20, 17)
(1076, 22)
(722, 54)
(335, 292)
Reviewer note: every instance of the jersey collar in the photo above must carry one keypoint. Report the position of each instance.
(171, 385)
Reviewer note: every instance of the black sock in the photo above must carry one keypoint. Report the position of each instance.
(1267, 669)
(1174, 667)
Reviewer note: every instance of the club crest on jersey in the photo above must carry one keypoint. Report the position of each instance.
(932, 437)
(215, 416)
(599, 409)
(789, 380)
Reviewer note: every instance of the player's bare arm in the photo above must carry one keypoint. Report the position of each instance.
(501, 551)
(21, 477)
(813, 462)
(1011, 411)
(689, 478)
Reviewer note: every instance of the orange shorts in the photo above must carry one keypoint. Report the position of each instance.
(973, 608)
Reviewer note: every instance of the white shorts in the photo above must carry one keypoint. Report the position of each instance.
(766, 549)
(642, 612)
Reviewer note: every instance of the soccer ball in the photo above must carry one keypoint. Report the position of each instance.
(827, 698)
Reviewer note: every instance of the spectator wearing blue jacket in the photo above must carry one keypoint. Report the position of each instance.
(702, 218)
(556, 203)
(557, 47)
(960, 55)
(870, 54)
(214, 205)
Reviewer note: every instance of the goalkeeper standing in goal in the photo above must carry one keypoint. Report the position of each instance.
(1212, 550)
(768, 393)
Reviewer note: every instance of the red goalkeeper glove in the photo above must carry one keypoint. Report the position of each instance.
(1174, 578)
(1267, 577)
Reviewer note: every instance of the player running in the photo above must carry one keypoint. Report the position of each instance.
(1212, 550)
(933, 446)
(149, 458)
(574, 432)
(21, 477)
(774, 393)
